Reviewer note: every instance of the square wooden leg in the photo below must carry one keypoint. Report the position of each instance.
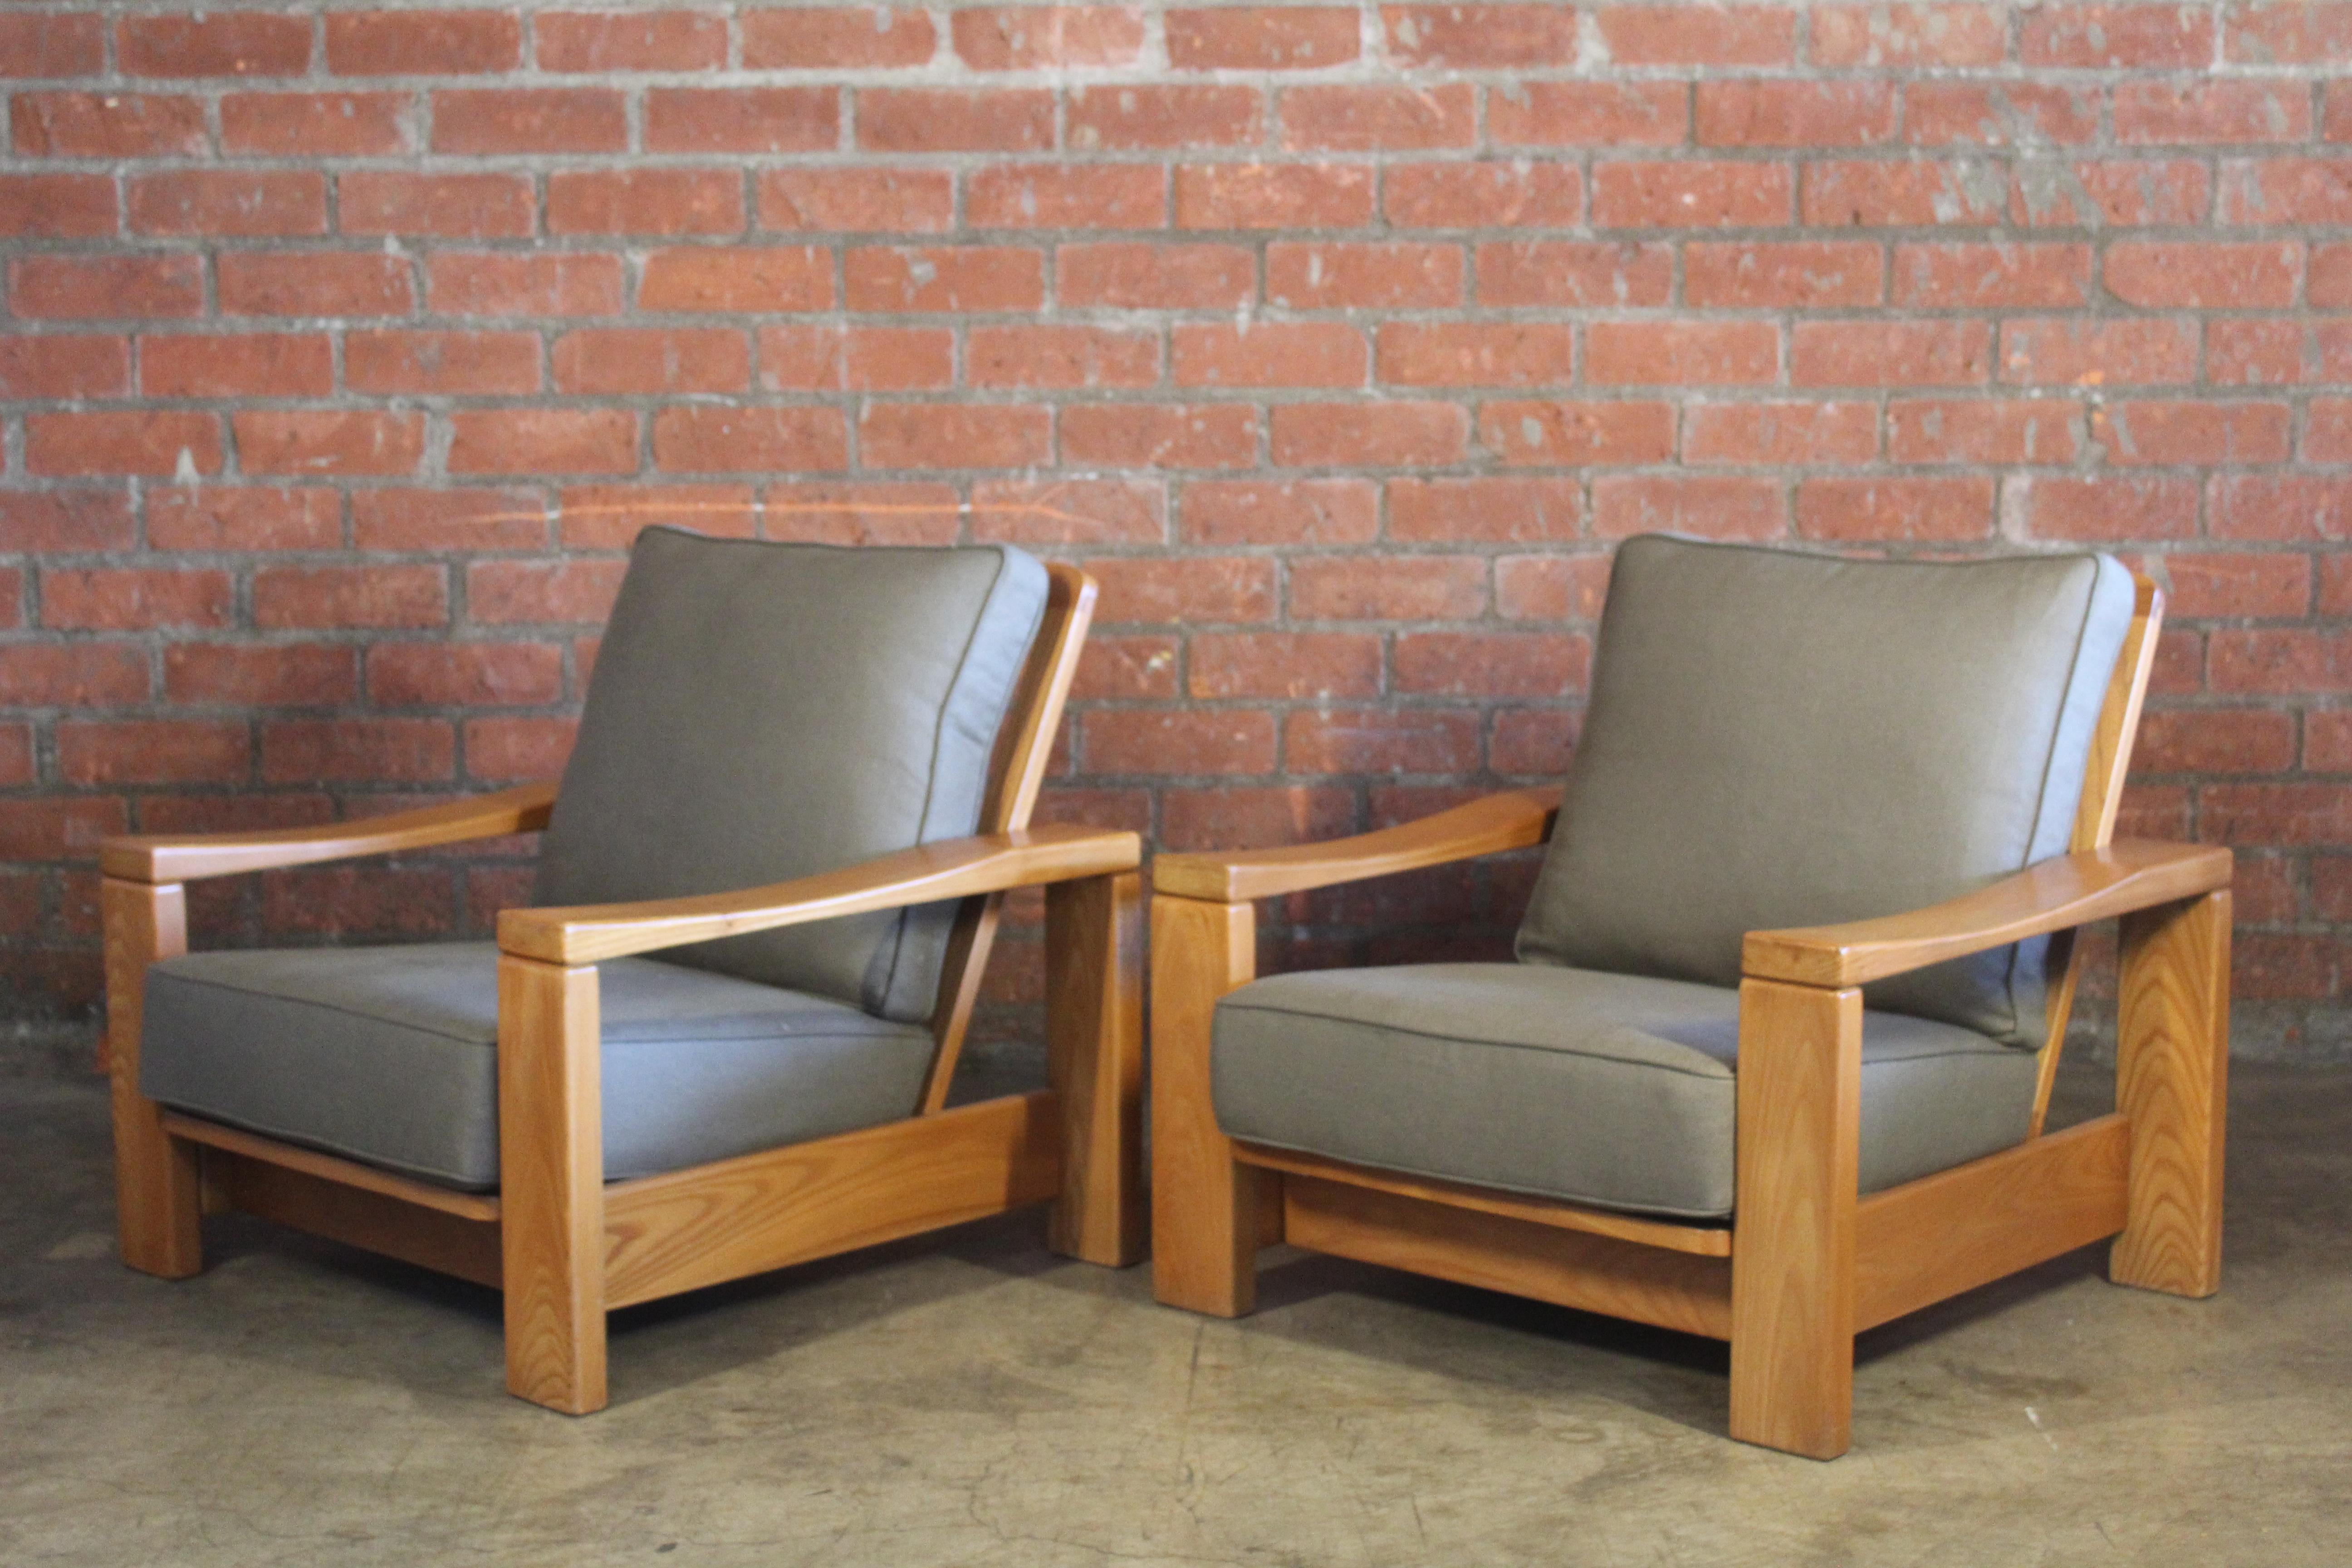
(1094, 1026)
(157, 1191)
(1205, 1207)
(552, 1183)
(2172, 1071)
(1792, 1243)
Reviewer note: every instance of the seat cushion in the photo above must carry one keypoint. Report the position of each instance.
(1612, 1090)
(389, 1056)
(1785, 740)
(765, 711)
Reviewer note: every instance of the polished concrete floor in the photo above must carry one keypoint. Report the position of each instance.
(970, 1399)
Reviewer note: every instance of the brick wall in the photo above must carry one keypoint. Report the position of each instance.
(345, 349)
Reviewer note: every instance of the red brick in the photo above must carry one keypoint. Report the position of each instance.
(1148, 277)
(1480, 36)
(1352, 118)
(1273, 37)
(441, 519)
(72, 675)
(956, 119)
(441, 362)
(2331, 274)
(1759, 113)
(589, 41)
(1195, 741)
(463, 674)
(2273, 815)
(856, 359)
(733, 278)
(742, 120)
(543, 441)
(716, 439)
(2287, 191)
(1492, 663)
(1388, 587)
(2166, 113)
(1370, 435)
(1780, 434)
(1572, 273)
(2060, 351)
(422, 43)
(2201, 275)
(1080, 195)
(2176, 37)
(2173, 433)
(945, 279)
(142, 441)
(1233, 816)
(2229, 585)
(315, 124)
(2124, 193)
(1160, 436)
(1706, 353)
(825, 38)
(333, 597)
(1060, 356)
(625, 361)
(1273, 195)
(35, 44)
(107, 125)
(1504, 510)
(1908, 194)
(57, 830)
(1589, 114)
(151, 751)
(64, 366)
(373, 899)
(1690, 193)
(531, 119)
(1711, 505)
(1266, 512)
(1062, 511)
(1482, 195)
(1291, 666)
(2328, 748)
(1183, 590)
(1904, 34)
(512, 750)
(247, 364)
(2215, 740)
(609, 517)
(865, 513)
(211, 517)
(227, 201)
(1550, 588)
(1034, 37)
(1998, 430)
(1567, 432)
(85, 288)
(1381, 741)
(2317, 33)
(569, 283)
(1990, 277)
(512, 593)
(890, 201)
(2258, 351)
(2327, 430)
(1813, 274)
(1999, 114)
(80, 599)
(1890, 507)
(1698, 34)
(1890, 353)
(2102, 509)
(937, 435)
(322, 442)
(214, 43)
(2285, 661)
(1147, 117)
(358, 751)
(57, 206)
(645, 201)
(319, 283)
(1268, 354)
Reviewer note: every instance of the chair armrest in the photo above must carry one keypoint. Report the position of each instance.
(951, 868)
(1511, 820)
(158, 859)
(2056, 894)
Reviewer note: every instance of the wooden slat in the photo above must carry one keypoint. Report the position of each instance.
(691, 1228)
(552, 1182)
(1930, 1239)
(430, 1238)
(1513, 819)
(1205, 1206)
(158, 1199)
(1094, 1043)
(1704, 1241)
(1566, 1267)
(2172, 1071)
(155, 860)
(327, 1167)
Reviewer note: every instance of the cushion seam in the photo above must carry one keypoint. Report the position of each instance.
(1468, 1040)
(332, 1007)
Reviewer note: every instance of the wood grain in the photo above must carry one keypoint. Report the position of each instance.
(359, 1216)
(2172, 1071)
(1205, 1205)
(1793, 1234)
(158, 1192)
(552, 1185)
(1511, 820)
(186, 860)
(1470, 1247)
(327, 1167)
(738, 1218)
(1094, 1043)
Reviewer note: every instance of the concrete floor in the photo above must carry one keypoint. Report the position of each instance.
(969, 1399)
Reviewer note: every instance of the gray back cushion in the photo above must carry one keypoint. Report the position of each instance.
(1785, 740)
(765, 711)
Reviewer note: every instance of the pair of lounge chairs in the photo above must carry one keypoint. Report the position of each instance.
(722, 1040)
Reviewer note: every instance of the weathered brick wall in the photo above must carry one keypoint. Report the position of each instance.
(345, 349)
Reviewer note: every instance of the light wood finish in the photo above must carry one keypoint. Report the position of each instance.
(2172, 1068)
(1930, 1239)
(928, 873)
(1471, 1247)
(713, 1223)
(1792, 1252)
(157, 1190)
(1205, 1205)
(2056, 894)
(481, 1206)
(1513, 819)
(1094, 1029)
(359, 1216)
(1702, 1241)
(159, 860)
(552, 1179)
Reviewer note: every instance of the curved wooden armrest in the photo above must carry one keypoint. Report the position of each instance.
(2056, 894)
(157, 860)
(951, 868)
(1511, 820)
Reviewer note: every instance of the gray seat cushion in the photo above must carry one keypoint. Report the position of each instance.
(766, 711)
(1785, 740)
(389, 1056)
(1610, 1090)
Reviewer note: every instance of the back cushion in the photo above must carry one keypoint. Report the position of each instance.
(1785, 740)
(766, 711)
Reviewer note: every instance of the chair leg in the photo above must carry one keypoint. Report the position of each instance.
(1204, 1205)
(1792, 1243)
(157, 1191)
(552, 1183)
(2172, 1071)
(1094, 1026)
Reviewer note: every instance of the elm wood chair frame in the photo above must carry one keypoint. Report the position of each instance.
(1805, 1263)
(565, 1246)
